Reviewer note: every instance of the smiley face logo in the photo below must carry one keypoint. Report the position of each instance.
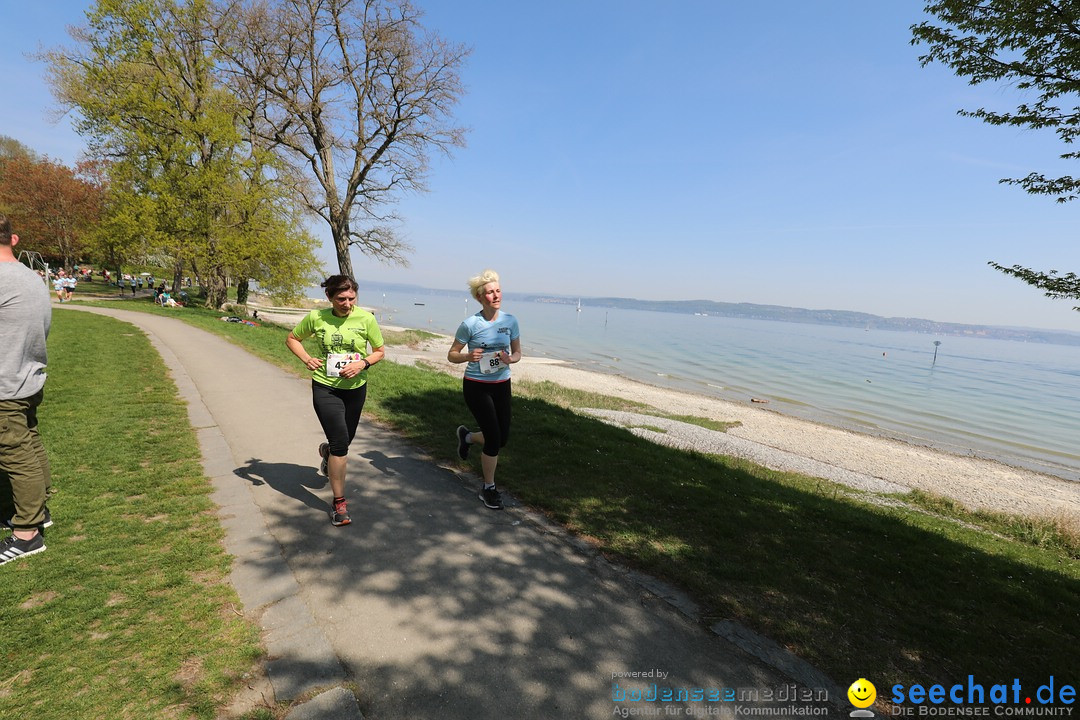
(862, 693)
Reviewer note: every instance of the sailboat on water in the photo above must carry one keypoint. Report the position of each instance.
(579, 305)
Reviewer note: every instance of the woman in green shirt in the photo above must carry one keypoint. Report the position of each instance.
(348, 343)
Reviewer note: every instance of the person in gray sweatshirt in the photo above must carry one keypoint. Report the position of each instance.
(25, 317)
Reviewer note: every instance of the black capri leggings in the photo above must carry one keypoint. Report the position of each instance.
(339, 414)
(490, 405)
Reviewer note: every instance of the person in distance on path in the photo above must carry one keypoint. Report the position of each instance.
(59, 284)
(344, 334)
(489, 342)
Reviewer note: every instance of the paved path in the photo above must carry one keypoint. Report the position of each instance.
(428, 605)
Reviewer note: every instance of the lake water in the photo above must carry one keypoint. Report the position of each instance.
(1011, 401)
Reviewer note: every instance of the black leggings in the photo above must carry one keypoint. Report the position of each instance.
(339, 414)
(490, 405)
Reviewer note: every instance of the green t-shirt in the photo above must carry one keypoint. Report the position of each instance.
(338, 337)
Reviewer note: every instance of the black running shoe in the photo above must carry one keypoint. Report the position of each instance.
(492, 498)
(340, 514)
(324, 453)
(12, 548)
(6, 522)
(462, 443)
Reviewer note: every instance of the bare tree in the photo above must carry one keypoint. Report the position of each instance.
(354, 95)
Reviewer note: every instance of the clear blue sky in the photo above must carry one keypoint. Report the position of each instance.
(790, 153)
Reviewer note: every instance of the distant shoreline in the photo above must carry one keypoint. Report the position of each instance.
(778, 313)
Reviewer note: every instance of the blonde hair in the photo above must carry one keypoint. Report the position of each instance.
(478, 282)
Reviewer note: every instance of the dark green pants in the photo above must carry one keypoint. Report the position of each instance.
(24, 467)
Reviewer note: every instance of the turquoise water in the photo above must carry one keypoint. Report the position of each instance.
(1011, 401)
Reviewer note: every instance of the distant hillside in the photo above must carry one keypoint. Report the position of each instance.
(844, 318)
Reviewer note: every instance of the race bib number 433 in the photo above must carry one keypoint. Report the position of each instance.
(336, 361)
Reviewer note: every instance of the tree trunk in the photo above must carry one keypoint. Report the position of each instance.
(113, 260)
(216, 287)
(340, 232)
(243, 285)
(178, 275)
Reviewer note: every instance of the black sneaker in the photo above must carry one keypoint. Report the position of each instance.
(12, 548)
(340, 514)
(492, 498)
(324, 453)
(462, 443)
(6, 522)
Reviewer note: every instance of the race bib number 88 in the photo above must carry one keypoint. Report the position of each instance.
(336, 361)
(490, 363)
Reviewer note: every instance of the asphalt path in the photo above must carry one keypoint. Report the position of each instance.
(429, 605)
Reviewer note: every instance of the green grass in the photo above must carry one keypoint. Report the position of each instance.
(706, 423)
(95, 287)
(98, 288)
(266, 339)
(570, 398)
(128, 613)
(917, 593)
(565, 397)
(407, 337)
(855, 588)
(653, 428)
(1055, 534)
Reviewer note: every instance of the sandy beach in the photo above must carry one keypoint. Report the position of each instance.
(787, 443)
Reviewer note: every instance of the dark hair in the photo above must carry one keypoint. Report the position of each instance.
(338, 283)
(5, 230)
